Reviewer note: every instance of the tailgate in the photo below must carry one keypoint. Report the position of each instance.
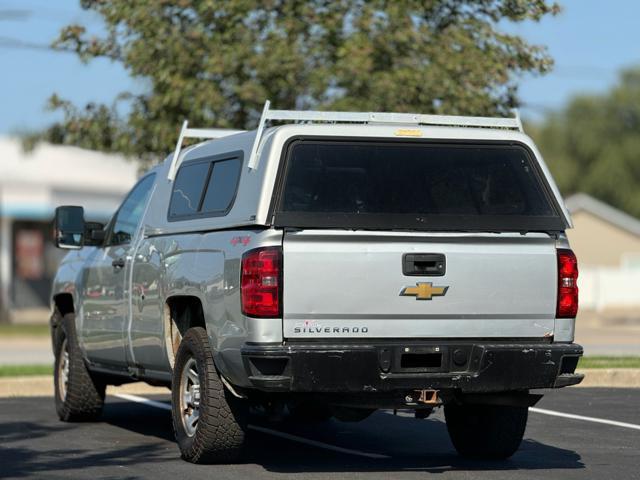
(352, 285)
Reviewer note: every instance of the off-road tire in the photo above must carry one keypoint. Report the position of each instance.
(57, 333)
(220, 431)
(486, 431)
(84, 396)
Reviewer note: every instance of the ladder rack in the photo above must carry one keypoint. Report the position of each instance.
(186, 132)
(381, 118)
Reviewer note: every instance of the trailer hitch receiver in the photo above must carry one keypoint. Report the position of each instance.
(428, 397)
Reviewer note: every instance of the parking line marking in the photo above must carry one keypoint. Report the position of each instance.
(553, 413)
(543, 411)
(315, 443)
(146, 401)
(268, 431)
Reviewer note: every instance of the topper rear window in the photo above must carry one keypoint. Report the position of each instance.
(414, 185)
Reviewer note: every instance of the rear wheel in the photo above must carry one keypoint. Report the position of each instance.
(486, 431)
(208, 420)
(78, 395)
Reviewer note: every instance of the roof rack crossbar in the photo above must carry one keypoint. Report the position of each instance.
(402, 118)
(186, 132)
(511, 123)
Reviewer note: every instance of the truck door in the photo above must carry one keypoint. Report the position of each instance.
(105, 302)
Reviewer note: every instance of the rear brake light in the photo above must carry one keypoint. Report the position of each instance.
(567, 306)
(261, 282)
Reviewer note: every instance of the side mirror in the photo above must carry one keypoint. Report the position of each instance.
(69, 227)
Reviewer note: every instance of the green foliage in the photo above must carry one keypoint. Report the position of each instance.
(24, 330)
(215, 62)
(25, 370)
(609, 362)
(593, 145)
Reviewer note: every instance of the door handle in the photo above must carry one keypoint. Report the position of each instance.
(118, 263)
(424, 264)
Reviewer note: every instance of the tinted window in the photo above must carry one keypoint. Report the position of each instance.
(222, 186)
(130, 212)
(413, 184)
(187, 190)
(205, 188)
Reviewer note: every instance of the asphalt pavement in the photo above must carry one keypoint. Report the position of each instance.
(134, 441)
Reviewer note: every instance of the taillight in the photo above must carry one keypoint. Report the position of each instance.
(261, 282)
(567, 306)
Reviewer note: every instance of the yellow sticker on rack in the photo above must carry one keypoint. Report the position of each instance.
(408, 132)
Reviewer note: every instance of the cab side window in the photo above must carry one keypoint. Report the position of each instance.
(130, 212)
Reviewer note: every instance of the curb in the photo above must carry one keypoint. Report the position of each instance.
(610, 377)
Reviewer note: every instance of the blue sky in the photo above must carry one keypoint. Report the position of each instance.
(590, 41)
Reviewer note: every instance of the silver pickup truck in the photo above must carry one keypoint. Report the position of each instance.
(326, 265)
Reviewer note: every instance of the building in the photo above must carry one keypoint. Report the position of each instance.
(32, 184)
(603, 236)
(607, 244)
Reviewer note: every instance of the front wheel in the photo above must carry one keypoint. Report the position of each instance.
(208, 421)
(486, 431)
(78, 395)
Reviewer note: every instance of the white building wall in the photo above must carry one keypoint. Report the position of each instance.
(609, 288)
(33, 183)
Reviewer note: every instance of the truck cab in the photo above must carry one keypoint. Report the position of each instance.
(327, 264)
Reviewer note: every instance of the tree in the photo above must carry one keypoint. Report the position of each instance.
(215, 62)
(593, 144)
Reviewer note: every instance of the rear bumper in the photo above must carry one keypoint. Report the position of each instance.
(467, 367)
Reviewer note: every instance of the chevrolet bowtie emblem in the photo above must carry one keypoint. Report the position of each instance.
(424, 291)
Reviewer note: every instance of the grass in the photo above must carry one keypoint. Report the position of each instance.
(609, 362)
(25, 370)
(35, 330)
